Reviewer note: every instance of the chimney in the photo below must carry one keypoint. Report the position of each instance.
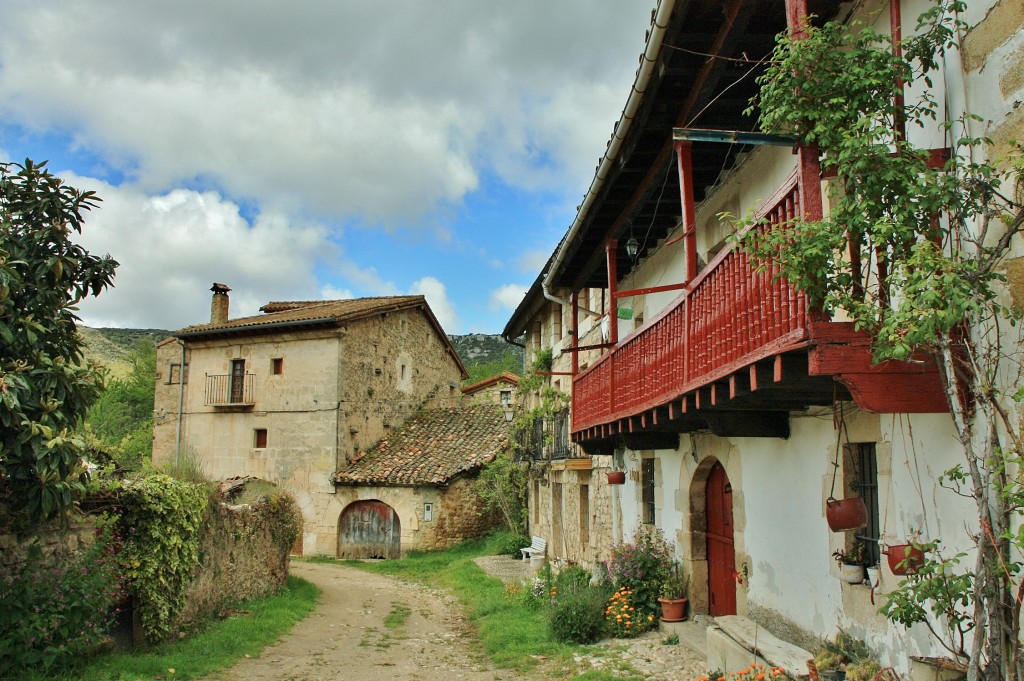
(219, 306)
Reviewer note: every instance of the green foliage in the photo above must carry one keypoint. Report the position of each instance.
(122, 418)
(187, 466)
(510, 543)
(285, 520)
(913, 280)
(642, 567)
(502, 487)
(578, 614)
(45, 384)
(255, 624)
(511, 362)
(913, 254)
(160, 523)
(676, 584)
(52, 615)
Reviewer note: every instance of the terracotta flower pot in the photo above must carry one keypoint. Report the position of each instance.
(904, 559)
(616, 477)
(846, 514)
(673, 609)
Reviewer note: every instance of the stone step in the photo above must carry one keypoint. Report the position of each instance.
(734, 642)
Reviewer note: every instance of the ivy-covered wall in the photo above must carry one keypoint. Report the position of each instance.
(243, 553)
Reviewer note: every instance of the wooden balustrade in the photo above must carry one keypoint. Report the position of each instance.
(730, 315)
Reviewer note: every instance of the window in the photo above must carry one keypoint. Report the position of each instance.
(174, 373)
(277, 366)
(237, 380)
(428, 512)
(647, 490)
(506, 398)
(259, 438)
(402, 374)
(861, 469)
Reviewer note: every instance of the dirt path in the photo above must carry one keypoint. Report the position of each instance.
(370, 628)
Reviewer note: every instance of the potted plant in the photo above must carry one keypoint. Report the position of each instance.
(851, 563)
(904, 559)
(675, 591)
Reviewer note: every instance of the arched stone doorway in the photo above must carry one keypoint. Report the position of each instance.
(369, 529)
(712, 550)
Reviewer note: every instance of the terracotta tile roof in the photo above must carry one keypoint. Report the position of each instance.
(306, 311)
(503, 376)
(433, 446)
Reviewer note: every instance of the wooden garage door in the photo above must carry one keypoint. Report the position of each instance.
(369, 529)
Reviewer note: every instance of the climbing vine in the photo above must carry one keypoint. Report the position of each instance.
(160, 525)
(913, 252)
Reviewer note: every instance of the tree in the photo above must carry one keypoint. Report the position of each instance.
(122, 417)
(46, 385)
(913, 253)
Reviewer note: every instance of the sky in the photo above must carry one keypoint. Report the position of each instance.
(318, 150)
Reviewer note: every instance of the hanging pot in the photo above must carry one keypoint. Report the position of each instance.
(616, 477)
(904, 559)
(846, 514)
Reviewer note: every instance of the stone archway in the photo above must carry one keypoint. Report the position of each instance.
(369, 529)
(697, 559)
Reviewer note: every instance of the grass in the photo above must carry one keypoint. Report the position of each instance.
(218, 646)
(512, 636)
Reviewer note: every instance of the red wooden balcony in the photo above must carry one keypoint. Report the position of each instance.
(735, 353)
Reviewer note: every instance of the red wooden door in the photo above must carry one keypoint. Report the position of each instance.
(721, 552)
(369, 529)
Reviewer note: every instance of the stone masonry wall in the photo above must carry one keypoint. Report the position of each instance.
(53, 540)
(340, 391)
(243, 554)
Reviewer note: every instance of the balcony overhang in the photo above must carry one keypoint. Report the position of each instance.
(758, 398)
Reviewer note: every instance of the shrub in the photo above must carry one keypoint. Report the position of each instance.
(51, 616)
(511, 543)
(641, 567)
(578, 615)
(572, 578)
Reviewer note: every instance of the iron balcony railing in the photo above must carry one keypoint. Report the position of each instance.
(548, 439)
(228, 390)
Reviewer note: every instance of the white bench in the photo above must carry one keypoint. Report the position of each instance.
(537, 547)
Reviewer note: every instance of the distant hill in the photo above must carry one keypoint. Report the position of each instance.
(111, 347)
(481, 353)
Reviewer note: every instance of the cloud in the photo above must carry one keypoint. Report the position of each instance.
(330, 292)
(334, 109)
(173, 246)
(507, 297)
(437, 297)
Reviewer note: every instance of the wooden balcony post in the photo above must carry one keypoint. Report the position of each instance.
(574, 331)
(613, 308)
(796, 17)
(684, 157)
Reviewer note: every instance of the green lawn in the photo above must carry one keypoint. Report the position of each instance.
(263, 621)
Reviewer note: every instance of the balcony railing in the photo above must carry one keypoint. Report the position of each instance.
(548, 439)
(227, 390)
(728, 317)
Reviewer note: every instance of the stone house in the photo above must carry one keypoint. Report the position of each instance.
(499, 389)
(296, 393)
(414, 489)
(712, 387)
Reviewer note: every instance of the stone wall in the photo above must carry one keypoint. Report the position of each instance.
(340, 390)
(457, 512)
(243, 554)
(53, 539)
(459, 516)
